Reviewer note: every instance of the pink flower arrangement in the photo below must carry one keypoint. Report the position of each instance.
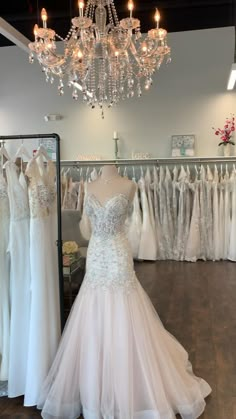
(227, 132)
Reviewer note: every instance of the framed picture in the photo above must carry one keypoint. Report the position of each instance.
(183, 145)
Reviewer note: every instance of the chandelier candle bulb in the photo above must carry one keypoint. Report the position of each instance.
(130, 7)
(157, 17)
(44, 17)
(115, 135)
(36, 30)
(81, 8)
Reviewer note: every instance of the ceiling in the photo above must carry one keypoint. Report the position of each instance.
(176, 15)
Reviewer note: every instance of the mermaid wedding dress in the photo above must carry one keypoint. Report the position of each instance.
(115, 359)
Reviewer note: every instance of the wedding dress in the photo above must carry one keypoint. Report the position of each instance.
(216, 236)
(115, 359)
(4, 280)
(147, 244)
(232, 237)
(19, 279)
(44, 332)
(135, 225)
(227, 217)
(193, 246)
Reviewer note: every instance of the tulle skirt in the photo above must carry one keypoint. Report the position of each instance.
(116, 361)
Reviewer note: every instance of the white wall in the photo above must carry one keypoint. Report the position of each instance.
(187, 97)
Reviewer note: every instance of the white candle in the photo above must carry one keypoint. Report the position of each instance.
(115, 135)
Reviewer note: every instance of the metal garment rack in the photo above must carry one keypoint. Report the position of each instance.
(152, 161)
(56, 137)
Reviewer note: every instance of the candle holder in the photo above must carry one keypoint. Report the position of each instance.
(116, 147)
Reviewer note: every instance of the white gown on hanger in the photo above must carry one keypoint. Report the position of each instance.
(115, 359)
(193, 246)
(209, 180)
(227, 216)
(216, 236)
(158, 228)
(148, 244)
(221, 214)
(45, 311)
(4, 280)
(134, 225)
(232, 238)
(19, 279)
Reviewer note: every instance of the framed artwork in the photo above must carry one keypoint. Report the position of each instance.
(183, 145)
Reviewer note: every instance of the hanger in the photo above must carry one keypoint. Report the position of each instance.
(3, 152)
(22, 151)
(41, 152)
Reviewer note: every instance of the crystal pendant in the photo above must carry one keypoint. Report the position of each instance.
(31, 58)
(75, 94)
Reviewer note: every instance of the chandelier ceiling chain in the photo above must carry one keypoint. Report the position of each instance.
(105, 59)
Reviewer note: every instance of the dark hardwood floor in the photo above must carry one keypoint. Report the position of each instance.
(197, 304)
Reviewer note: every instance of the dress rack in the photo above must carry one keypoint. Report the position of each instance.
(55, 137)
(151, 161)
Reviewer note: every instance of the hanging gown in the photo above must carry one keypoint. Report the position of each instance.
(175, 199)
(148, 245)
(216, 237)
(135, 225)
(19, 279)
(182, 228)
(221, 214)
(232, 237)
(115, 359)
(4, 280)
(227, 216)
(44, 331)
(167, 245)
(193, 246)
(158, 228)
(169, 211)
(209, 180)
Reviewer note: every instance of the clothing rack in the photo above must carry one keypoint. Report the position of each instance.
(152, 161)
(55, 137)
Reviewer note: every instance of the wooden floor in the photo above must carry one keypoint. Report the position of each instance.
(197, 304)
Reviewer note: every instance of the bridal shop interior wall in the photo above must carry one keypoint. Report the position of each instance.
(187, 97)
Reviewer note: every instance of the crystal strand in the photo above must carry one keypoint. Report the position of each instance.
(111, 20)
(116, 20)
(61, 87)
(109, 82)
(101, 82)
(93, 83)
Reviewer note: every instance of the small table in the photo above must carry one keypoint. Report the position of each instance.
(70, 270)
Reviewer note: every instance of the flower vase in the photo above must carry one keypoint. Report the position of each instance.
(227, 149)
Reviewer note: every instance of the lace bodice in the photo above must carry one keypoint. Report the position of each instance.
(42, 188)
(109, 263)
(17, 192)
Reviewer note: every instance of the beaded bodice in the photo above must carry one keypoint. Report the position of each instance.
(4, 201)
(42, 188)
(17, 192)
(109, 264)
(107, 219)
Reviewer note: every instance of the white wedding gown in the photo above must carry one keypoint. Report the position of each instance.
(44, 325)
(20, 279)
(115, 359)
(4, 280)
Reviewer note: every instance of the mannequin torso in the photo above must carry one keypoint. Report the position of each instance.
(109, 184)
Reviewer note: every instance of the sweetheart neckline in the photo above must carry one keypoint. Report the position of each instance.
(105, 203)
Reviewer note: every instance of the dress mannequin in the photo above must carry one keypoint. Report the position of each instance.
(109, 184)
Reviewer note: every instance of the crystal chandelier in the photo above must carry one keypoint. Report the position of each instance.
(105, 59)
